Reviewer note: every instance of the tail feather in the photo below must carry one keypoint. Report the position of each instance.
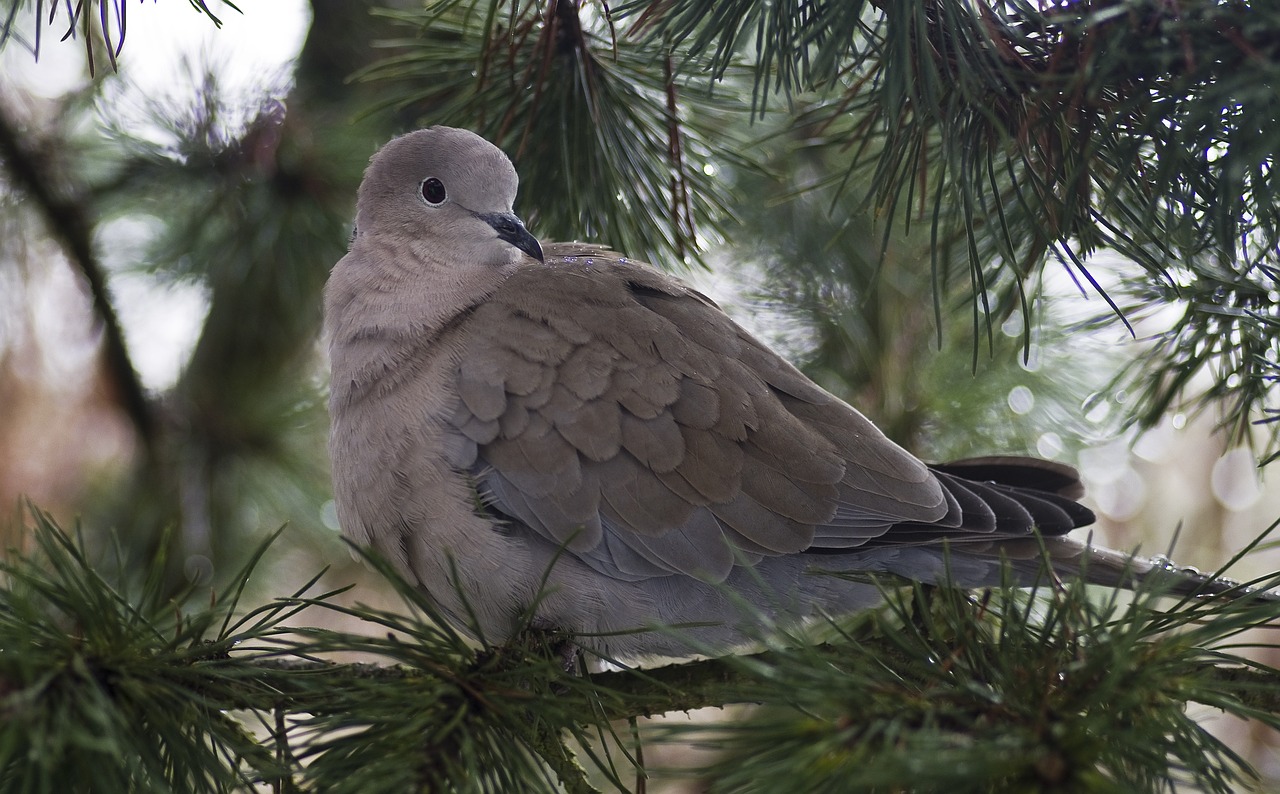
(1020, 472)
(1053, 514)
(1024, 493)
(1000, 497)
(1016, 510)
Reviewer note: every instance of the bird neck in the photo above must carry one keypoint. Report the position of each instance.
(386, 308)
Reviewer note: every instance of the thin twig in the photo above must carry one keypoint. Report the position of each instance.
(679, 186)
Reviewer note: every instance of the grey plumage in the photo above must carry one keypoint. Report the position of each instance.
(495, 402)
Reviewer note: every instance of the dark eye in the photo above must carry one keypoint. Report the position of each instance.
(433, 191)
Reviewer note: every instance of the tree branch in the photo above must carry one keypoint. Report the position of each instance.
(69, 218)
(648, 692)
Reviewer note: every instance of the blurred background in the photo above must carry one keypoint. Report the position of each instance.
(168, 219)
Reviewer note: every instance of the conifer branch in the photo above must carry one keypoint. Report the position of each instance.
(108, 21)
(1085, 687)
(299, 685)
(69, 219)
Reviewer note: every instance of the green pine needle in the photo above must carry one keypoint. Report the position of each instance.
(111, 688)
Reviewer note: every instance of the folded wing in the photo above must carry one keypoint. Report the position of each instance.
(615, 411)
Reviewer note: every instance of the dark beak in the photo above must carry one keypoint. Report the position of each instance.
(511, 229)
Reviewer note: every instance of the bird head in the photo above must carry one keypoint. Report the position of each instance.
(448, 190)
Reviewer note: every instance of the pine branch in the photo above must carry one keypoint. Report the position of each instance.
(606, 150)
(297, 685)
(69, 217)
(104, 25)
(143, 692)
(249, 199)
(1039, 133)
(1226, 335)
(1019, 134)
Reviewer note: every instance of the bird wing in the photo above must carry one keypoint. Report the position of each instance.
(617, 412)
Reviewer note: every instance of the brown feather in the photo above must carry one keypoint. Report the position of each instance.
(595, 429)
(630, 405)
(712, 465)
(655, 442)
(587, 370)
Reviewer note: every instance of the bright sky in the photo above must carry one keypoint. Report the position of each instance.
(251, 50)
(257, 42)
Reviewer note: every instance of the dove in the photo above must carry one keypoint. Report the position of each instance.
(558, 436)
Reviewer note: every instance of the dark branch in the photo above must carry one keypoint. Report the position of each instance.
(640, 693)
(69, 221)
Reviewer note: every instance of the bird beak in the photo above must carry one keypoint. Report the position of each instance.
(511, 229)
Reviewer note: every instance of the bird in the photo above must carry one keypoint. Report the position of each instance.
(559, 437)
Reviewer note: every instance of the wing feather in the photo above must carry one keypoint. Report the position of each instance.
(606, 407)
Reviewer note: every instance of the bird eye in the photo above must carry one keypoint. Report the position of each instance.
(433, 191)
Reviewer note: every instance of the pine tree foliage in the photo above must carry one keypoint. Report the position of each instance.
(116, 686)
(582, 109)
(850, 304)
(252, 204)
(100, 24)
(1029, 132)
(250, 218)
(970, 142)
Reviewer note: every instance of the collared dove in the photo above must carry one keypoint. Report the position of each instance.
(562, 430)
